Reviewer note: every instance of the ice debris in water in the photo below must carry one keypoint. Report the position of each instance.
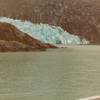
(44, 32)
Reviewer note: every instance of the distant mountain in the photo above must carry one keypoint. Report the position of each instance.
(12, 39)
(80, 17)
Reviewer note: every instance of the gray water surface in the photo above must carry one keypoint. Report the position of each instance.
(61, 74)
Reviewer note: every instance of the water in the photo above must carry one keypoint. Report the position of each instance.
(61, 74)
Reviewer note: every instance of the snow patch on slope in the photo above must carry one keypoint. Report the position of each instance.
(44, 32)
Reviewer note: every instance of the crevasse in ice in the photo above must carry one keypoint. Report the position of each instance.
(44, 32)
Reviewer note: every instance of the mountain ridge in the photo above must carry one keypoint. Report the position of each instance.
(79, 17)
(12, 39)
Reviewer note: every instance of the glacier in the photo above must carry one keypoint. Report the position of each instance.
(44, 32)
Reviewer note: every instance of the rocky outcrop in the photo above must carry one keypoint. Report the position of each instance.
(80, 17)
(11, 39)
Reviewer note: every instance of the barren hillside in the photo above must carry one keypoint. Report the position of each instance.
(79, 17)
(11, 39)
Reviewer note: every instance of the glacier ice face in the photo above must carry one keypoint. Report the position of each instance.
(45, 33)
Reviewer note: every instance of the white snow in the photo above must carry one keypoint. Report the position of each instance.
(44, 32)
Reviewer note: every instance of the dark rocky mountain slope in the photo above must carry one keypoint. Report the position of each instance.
(11, 39)
(81, 17)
